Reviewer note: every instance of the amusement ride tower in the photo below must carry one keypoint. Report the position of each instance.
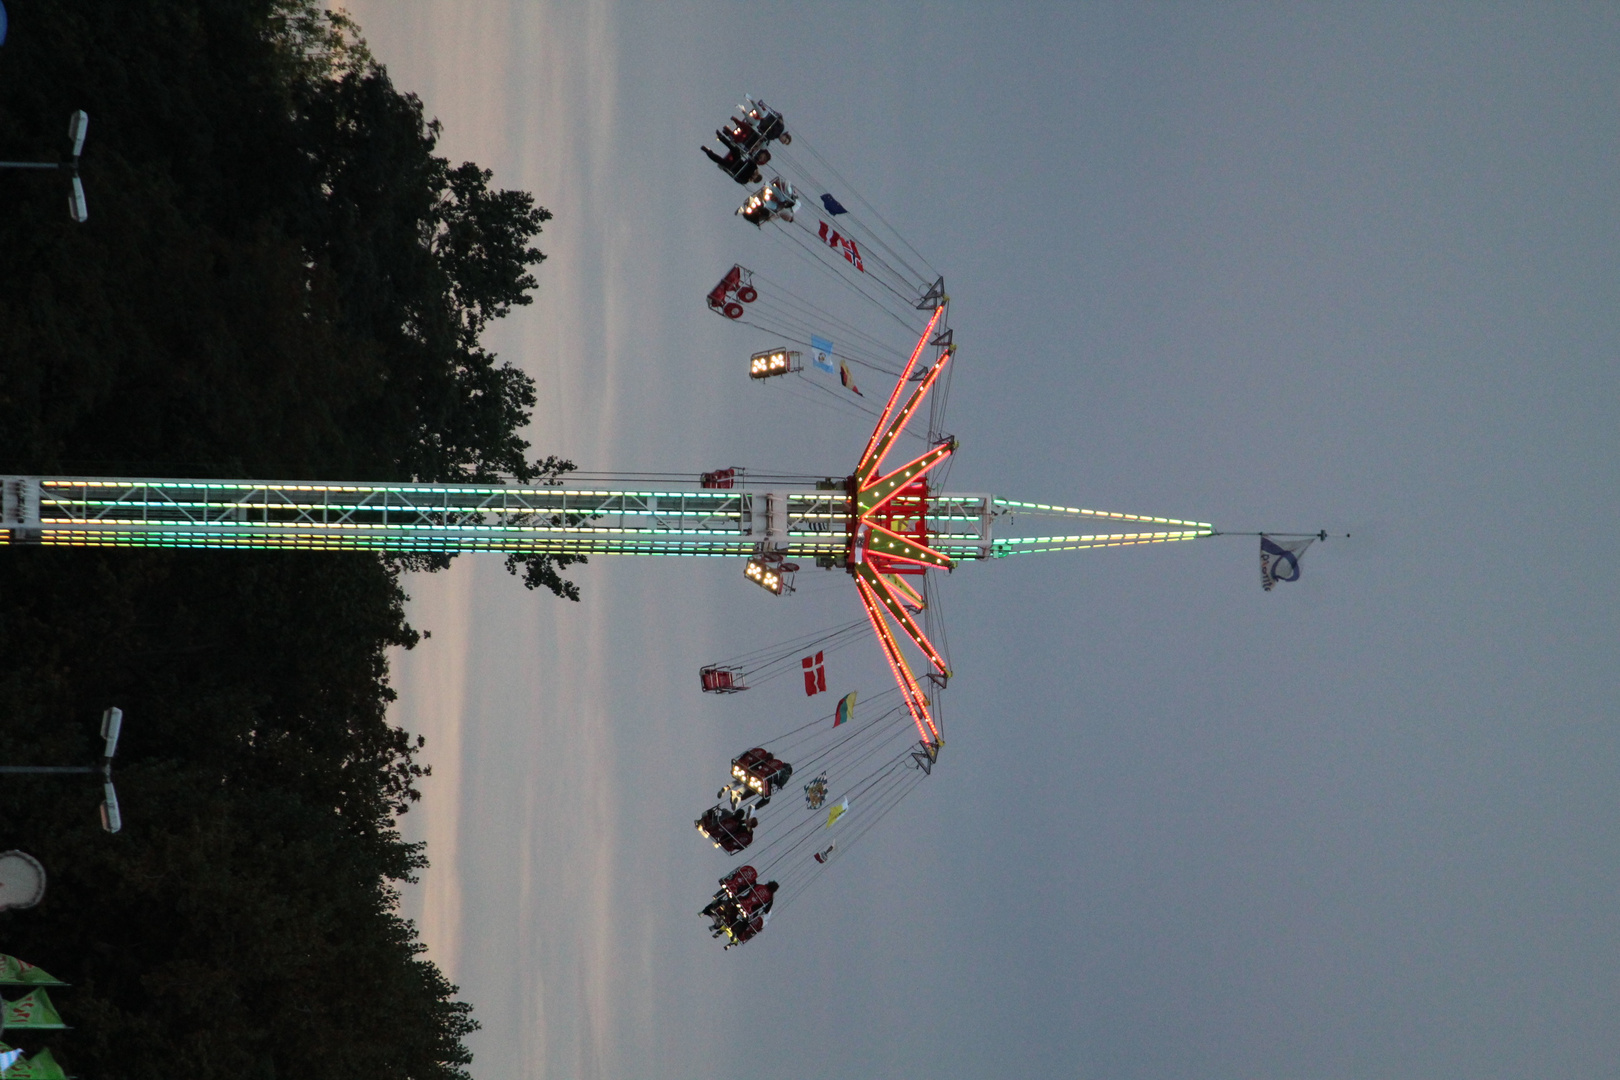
(886, 529)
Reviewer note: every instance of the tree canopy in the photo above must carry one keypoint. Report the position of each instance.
(280, 278)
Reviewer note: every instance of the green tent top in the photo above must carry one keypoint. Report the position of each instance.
(15, 972)
(33, 1010)
(42, 1066)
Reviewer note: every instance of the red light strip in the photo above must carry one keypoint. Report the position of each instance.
(886, 442)
(898, 584)
(945, 561)
(899, 614)
(939, 454)
(916, 702)
(894, 396)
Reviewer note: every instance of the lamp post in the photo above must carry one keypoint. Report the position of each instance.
(112, 721)
(77, 124)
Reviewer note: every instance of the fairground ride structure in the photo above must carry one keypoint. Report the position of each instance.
(888, 523)
(886, 529)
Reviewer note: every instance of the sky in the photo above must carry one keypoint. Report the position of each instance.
(1272, 266)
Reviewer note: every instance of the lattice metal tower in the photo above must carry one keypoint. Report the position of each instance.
(883, 528)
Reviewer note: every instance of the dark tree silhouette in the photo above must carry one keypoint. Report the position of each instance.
(279, 278)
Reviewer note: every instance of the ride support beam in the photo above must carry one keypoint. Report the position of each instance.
(910, 691)
(872, 497)
(894, 395)
(411, 518)
(883, 438)
(891, 603)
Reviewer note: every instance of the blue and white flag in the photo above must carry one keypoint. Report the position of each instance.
(821, 354)
(1280, 561)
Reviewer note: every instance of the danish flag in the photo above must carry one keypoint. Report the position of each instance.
(815, 676)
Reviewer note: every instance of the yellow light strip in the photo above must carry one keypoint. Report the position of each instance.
(1046, 508)
(996, 554)
(244, 527)
(1181, 535)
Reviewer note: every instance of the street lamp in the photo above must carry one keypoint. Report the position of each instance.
(112, 722)
(77, 125)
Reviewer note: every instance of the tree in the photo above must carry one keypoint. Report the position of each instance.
(280, 278)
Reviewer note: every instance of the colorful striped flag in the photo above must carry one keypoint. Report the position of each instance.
(845, 378)
(837, 812)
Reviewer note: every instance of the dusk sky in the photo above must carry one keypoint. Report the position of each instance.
(1281, 267)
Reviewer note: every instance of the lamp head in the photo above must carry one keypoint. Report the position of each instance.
(78, 210)
(77, 123)
(112, 722)
(110, 818)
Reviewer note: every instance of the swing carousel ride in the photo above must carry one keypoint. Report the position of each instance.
(887, 524)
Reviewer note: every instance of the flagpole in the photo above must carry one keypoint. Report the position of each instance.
(50, 769)
(1321, 534)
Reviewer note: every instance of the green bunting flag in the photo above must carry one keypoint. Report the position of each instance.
(42, 1066)
(33, 1010)
(15, 972)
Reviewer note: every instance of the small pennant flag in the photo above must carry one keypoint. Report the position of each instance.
(815, 792)
(844, 377)
(823, 856)
(1280, 561)
(837, 812)
(8, 1058)
(834, 207)
(815, 675)
(846, 709)
(821, 353)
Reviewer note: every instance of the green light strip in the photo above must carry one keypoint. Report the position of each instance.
(443, 490)
(998, 551)
(172, 538)
(1186, 535)
(373, 508)
(413, 517)
(358, 527)
(56, 538)
(1045, 508)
